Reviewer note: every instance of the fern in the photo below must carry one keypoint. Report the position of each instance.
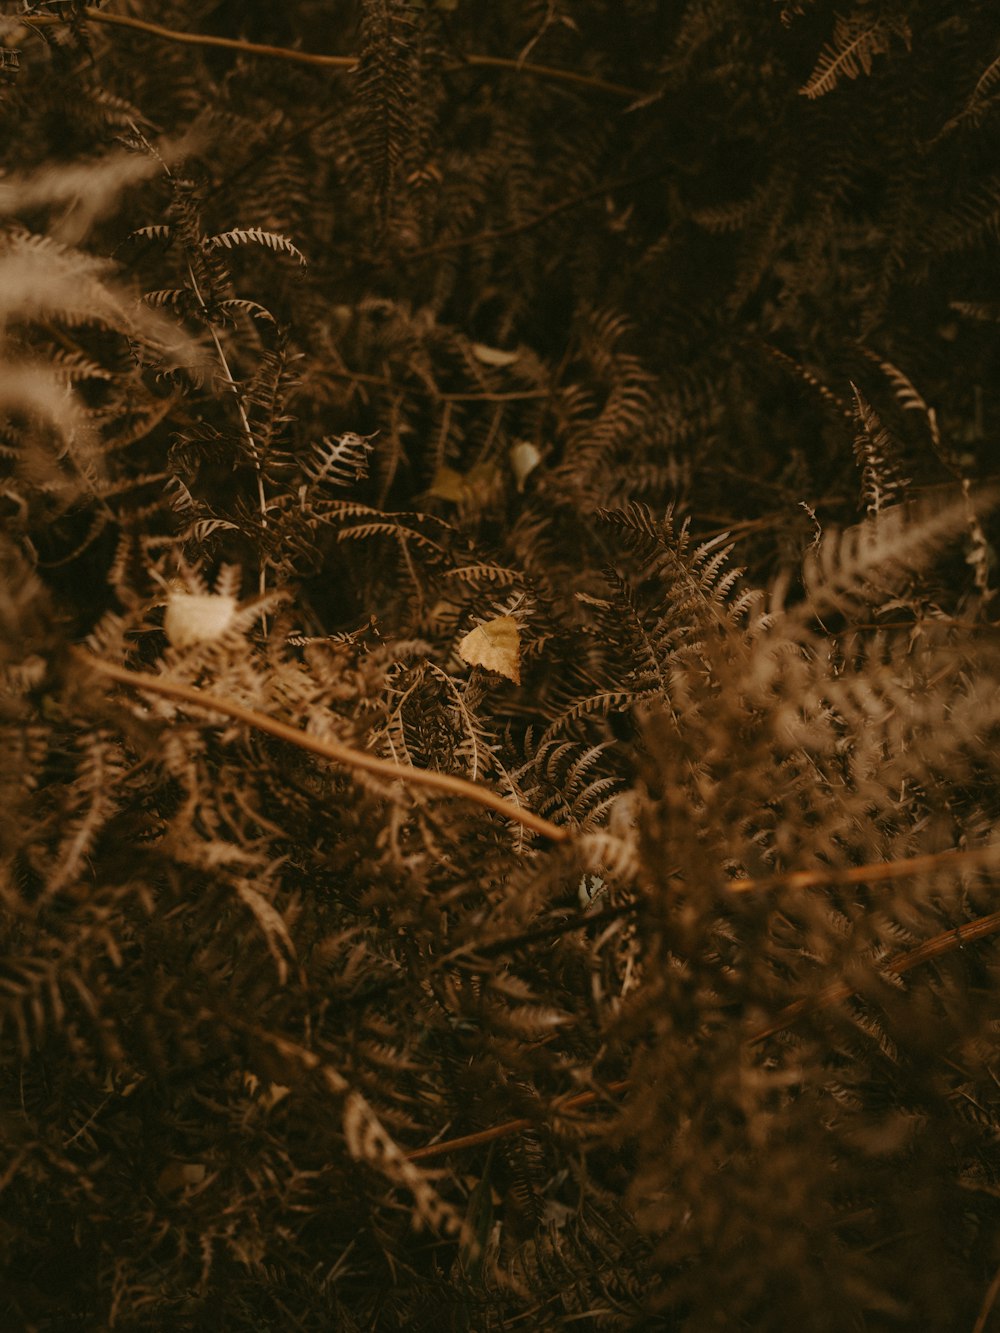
(856, 41)
(345, 985)
(386, 73)
(882, 481)
(255, 236)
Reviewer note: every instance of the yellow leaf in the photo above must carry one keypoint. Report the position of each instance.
(493, 356)
(197, 617)
(447, 485)
(458, 486)
(495, 646)
(275, 1093)
(178, 1175)
(524, 458)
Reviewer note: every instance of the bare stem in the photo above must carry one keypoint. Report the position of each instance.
(923, 953)
(877, 872)
(480, 238)
(338, 62)
(244, 421)
(326, 749)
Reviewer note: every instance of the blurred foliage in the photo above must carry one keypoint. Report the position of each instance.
(662, 336)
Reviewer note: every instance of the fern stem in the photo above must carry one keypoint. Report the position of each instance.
(933, 948)
(549, 72)
(336, 751)
(512, 1126)
(875, 872)
(517, 228)
(518, 396)
(199, 39)
(556, 75)
(245, 422)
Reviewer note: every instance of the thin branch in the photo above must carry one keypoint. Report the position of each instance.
(484, 397)
(453, 786)
(549, 933)
(245, 422)
(326, 749)
(200, 39)
(512, 1126)
(339, 62)
(469, 953)
(556, 75)
(874, 873)
(517, 228)
(924, 953)
(522, 395)
(544, 934)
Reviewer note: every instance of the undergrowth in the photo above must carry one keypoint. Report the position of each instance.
(500, 689)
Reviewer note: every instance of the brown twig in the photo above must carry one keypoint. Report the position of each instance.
(336, 751)
(933, 948)
(550, 72)
(511, 1126)
(337, 62)
(485, 397)
(537, 220)
(431, 392)
(923, 953)
(543, 934)
(877, 872)
(199, 39)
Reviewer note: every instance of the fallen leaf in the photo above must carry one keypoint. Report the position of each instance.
(494, 356)
(496, 646)
(524, 458)
(447, 485)
(197, 617)
(178, 1175)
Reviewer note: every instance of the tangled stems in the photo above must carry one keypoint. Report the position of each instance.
(448, 784)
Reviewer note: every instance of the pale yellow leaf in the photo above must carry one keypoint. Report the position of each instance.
(447, 485)
(270, 1096)
(178, 1175)
(524, 458)
(197, 617)
(275, 1093)
(496, 646)
(494, 356)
